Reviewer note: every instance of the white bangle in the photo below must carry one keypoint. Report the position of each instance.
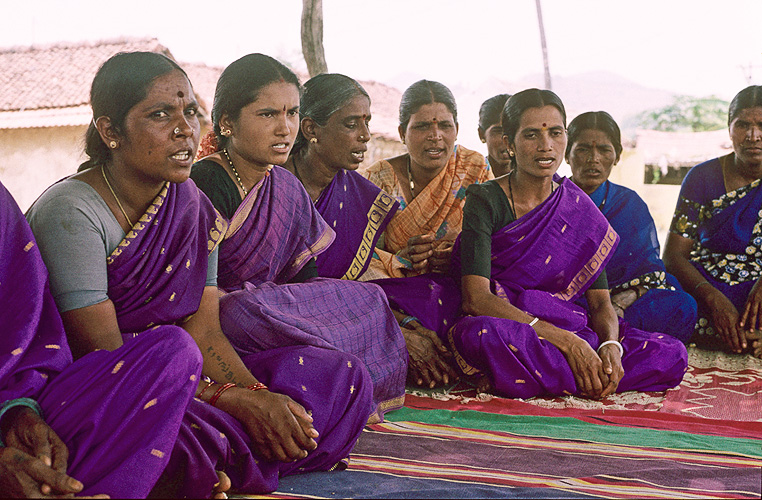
(615, 342)
(534, 321)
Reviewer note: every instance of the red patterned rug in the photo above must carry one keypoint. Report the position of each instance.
(717, 385)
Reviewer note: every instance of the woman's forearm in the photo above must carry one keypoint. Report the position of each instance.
(221, 361)
(479, 301)
(603, 318)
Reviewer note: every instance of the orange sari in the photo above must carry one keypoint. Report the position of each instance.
(438, 209)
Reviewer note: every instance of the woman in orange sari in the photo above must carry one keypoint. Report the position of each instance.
(430, 184)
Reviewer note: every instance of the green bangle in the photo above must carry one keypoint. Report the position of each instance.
(406, 320)
(705, 282)
(12, 403)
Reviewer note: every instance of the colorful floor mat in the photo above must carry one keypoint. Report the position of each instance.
(504, 449)
(702, 439)
(717, 385)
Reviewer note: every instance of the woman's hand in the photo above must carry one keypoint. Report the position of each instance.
(725, 318)
(280, 428)
(428, 357)
(418, 251)
(612, 367)
(752, 311)
(623, 300)
(587, 367)
(440, 260)
(34, 460)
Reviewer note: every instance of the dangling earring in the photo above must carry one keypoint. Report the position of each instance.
(113, 144)
(313, 140)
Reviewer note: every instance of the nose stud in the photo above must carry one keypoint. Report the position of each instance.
(177, 130)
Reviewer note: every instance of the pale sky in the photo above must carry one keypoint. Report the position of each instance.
(685, 46)
(695, 47)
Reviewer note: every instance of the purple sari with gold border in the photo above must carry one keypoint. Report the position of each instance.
(118, 412)
(358, 211)
(274, 232)
(541, 263)
(157, 277)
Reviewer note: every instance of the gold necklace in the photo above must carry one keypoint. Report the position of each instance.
(235, 172)
(410, 178)
(103, 171)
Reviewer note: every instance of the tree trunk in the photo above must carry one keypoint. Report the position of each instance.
(312, 37)
(542, 41)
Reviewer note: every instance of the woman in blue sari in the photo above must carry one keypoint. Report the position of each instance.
(715, 243)
(641, 291)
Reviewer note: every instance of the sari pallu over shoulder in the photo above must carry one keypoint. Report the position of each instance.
(359, 212)
(553, 248)
(273, 234)
(158, 270)
(438, 208)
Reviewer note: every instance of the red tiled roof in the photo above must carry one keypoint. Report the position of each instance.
(60, 75)
(49, 86)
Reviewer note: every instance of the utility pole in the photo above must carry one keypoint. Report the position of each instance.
(312, 37)
(544, 45)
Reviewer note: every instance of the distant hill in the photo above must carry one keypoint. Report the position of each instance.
(593, 91)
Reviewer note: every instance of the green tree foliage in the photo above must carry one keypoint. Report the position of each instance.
(687, 114)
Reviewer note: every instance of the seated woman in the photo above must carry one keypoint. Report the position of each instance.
(430, 184)
(641, 291)
(132, 248)
(333, 135)
(714, 247)
(331, 143)
(275, 231)
(529, 248)
(56, 424)
(429, 181)
(491, 133)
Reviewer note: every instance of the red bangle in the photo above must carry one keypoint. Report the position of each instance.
(218, 393)
(205, 388)
(256, 387)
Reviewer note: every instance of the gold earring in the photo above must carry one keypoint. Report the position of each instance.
(313, 140)
(510, 153)
(484, 141)
(226, 132)
(113, 144)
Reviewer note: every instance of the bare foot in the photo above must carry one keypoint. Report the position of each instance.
(222, 486)
(483, 384)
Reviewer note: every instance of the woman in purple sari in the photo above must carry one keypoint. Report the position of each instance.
(332, 139)
(331, 143)
(131, 248)
(529, 248)
(714, 247)
(642, 293)
(267, 259)
(50, 433)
